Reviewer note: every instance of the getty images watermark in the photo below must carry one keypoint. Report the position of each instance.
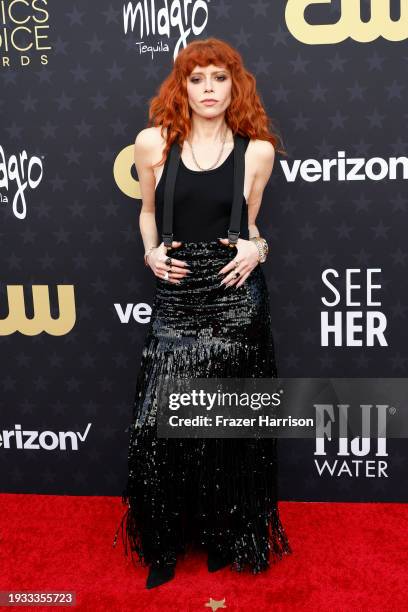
(282, 407)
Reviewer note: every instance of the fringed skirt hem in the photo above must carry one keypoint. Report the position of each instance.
(183, 493)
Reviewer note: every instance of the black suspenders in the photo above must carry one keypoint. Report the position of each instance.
(237, 201)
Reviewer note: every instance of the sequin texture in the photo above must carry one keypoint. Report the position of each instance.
(218, 492)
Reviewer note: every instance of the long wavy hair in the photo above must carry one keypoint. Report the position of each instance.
(245, 115)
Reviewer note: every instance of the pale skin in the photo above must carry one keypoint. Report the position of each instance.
(207, 131)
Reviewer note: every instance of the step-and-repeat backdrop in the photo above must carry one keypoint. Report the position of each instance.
(75, 298)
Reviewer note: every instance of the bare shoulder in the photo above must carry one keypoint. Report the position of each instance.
(149, 138)
(149, 144)
(262, 151)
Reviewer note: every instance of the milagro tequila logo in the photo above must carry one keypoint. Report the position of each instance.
(17, 174)
(359, 456)
(185, 16)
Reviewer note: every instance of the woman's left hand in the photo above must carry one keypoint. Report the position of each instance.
(246, 259)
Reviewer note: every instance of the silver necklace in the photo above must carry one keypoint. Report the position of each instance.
(219, 156)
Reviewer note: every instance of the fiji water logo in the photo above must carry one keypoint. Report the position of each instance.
(185, 17)
(18, 174)
(358, 456)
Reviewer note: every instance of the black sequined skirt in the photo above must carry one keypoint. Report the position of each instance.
(213, 492)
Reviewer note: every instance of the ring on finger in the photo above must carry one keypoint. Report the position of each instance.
(168, 261)
(166, 275)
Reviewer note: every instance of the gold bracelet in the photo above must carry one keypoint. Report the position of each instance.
(262, 247)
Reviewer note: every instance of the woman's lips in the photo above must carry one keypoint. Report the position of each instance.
(210, 102)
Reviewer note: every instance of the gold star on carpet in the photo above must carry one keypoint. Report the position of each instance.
(214, 604)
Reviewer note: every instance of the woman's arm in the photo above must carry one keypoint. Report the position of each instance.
(145, 145)
(263, 161)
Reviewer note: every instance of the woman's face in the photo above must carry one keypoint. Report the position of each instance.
(211, 82)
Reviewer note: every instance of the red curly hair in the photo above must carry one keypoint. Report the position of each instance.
(245, 115)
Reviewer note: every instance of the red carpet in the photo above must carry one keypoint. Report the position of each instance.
(345, 557)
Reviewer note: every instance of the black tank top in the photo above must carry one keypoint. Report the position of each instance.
(202, 202)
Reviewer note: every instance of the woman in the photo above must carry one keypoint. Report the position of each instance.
(210, 317)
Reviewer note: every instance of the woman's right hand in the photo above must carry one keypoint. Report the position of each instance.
(156, 260)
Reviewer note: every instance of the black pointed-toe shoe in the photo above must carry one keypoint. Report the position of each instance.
(159, 573)
(217, 560)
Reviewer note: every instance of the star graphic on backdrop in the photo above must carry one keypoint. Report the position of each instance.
(222, 9)
(399, 147)
(135, 99)
(72, 156)
(111, 15)
(79, 73)
(337, 63)
(280, 93)
(45, 75)
(214, 604)
(362, 148)
(280, 36)
(319, 93)
(356, 91)
(99, 100)
(399, 256)
(95, 44)
(380, 230)
(399, 203)
(261, 66)
(338, 120)
(29, 103)
(259, 8)
(115, 72)
(300, 121)
(375, 61)
(394, 90)
(75, 17)
(242, 38)
(362, 203)
(64, 102)
(299, 64)
(59, 46)
(362, 361)
(376, 119)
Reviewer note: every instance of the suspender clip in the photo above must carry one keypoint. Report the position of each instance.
(232, 238)
(167, 239)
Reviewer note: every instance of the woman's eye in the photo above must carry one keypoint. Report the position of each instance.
(197, 79)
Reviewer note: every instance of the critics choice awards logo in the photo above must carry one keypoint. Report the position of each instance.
(24, 32)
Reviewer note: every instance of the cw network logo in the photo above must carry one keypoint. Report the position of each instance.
(346, 169)
(42, 321)
(349, 24)
(18, 439)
